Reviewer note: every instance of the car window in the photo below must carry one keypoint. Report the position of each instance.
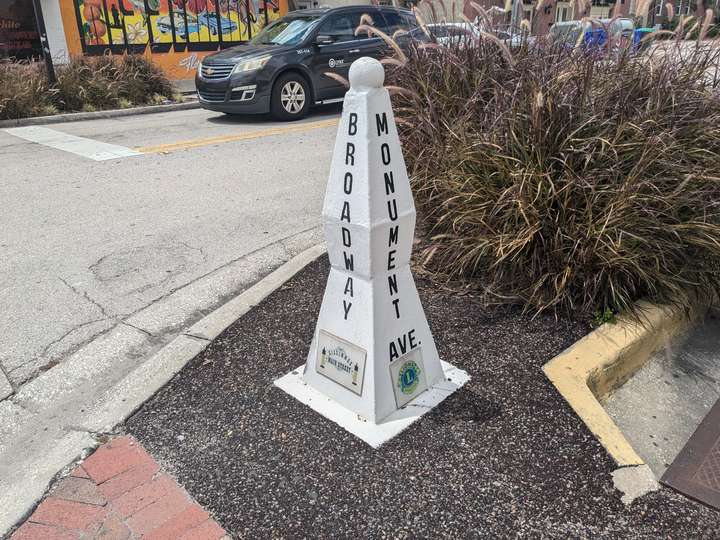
(286, 31)
(341, 26)
(395, 21)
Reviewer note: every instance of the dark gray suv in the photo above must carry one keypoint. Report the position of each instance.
(281, 70)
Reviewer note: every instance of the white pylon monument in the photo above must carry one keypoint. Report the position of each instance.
(373, 367)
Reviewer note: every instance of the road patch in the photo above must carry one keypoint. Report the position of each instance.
(80, 146)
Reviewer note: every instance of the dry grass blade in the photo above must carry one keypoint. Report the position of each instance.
(402, 91)
(339, 78)
(387, 39)
(421, 21)
(707, 21)
(391, 62)
(365, 18)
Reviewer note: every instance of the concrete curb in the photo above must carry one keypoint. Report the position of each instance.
(98, 115)
(587, 372)
(119, 402)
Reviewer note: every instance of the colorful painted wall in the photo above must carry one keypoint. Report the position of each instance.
(176, 34)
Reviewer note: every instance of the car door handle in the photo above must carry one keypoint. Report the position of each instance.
(353, 51)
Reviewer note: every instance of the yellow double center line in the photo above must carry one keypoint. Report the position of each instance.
(283, 130)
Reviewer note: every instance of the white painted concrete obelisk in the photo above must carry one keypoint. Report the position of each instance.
(373, 366)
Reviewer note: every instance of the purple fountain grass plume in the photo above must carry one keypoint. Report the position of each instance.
(503, 47)
(387, 39)
(669, 11)
(707, 21)
(421, 21)
(339, 78)
(402, 91)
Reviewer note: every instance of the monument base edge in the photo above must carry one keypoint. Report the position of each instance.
(392, 425)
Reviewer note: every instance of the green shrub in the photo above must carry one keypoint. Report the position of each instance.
(564, 181)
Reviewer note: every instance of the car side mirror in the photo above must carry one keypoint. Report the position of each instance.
(323, 39)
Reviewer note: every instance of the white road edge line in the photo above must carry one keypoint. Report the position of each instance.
(87, 148)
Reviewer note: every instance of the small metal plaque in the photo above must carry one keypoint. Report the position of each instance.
(408, 377)
(341, 361)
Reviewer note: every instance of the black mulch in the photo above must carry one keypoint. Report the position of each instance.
(504, 456)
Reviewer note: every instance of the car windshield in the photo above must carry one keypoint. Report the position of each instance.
(287, 31)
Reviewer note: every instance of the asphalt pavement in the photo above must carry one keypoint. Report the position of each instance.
(118, 234)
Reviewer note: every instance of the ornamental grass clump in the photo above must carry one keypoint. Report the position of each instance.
(564, 179)
(84, 83)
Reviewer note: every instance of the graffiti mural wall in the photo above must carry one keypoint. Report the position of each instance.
(175, 33)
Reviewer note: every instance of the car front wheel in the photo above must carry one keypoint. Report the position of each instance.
(290, 97)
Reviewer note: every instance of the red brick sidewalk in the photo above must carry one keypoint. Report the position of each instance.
(119, 493)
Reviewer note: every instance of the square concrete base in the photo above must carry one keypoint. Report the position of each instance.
(373, 434)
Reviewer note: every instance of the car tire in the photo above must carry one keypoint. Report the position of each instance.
(290, 98)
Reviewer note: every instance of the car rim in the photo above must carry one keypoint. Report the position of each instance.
(292, 97)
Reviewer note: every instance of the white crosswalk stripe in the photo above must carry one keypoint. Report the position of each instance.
(87, 148)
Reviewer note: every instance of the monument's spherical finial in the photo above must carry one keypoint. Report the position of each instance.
(366, 72)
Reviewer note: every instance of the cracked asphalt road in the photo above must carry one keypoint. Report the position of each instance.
(86, 244)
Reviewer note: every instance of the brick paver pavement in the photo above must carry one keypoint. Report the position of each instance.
(119, 493)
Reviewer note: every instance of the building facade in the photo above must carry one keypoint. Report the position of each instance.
(175, 34)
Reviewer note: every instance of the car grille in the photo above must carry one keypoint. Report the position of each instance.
(212, 95)
(216, 71)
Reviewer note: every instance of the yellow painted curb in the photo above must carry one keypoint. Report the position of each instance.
(586, 373)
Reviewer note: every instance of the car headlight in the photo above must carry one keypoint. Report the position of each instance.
(252, 64)
(199, 67)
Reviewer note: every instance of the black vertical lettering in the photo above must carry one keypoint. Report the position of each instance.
(346, 306)
(384, 152)
(382, 124)
(349, 286)
(411, 338)
(392, 284)
(391, 259)
(394, 234)
(345, 216)
(402, 343)
(352, 124)
(350, 154)
(346, 237)
(389, 183)
(392, 210)
(347, 185)
(393, 351)
(349, 261)
(397, 308)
